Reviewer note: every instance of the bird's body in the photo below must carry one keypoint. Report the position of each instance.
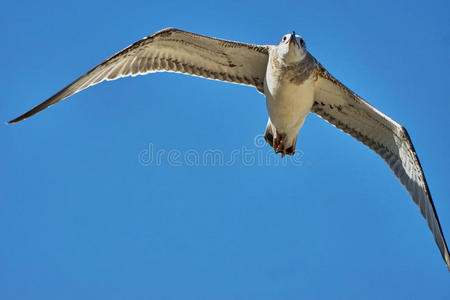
(289, 90)
(294, 84)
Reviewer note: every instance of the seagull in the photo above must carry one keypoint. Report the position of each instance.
(294, 84)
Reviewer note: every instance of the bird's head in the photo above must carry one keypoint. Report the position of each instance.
(292, 48)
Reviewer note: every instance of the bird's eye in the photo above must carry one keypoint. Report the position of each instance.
(283, 39)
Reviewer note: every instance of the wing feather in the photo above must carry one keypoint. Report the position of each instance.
(174, 50)
(338, 105)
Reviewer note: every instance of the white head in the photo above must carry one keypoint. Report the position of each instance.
(292, 48)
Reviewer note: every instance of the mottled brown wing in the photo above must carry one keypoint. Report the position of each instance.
(338, 105)
(174, 50)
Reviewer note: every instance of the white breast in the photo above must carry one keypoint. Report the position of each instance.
(288, 103)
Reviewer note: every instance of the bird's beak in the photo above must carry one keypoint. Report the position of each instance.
(293, 39)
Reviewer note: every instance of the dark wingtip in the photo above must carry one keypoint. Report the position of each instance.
(22, 117)
(13, 121)
(40, 107)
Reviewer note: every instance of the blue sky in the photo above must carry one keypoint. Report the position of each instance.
(84, 214)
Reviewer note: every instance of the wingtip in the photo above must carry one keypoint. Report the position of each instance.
(15, 120)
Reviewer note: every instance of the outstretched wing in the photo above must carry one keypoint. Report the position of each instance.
(338, 105)
(174, 50)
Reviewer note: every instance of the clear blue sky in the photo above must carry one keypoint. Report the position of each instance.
(82, 217)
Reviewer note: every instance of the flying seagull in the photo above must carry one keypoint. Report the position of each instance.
(294, 84)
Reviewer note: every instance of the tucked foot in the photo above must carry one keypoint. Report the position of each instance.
(268, 136)
(280, 142)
